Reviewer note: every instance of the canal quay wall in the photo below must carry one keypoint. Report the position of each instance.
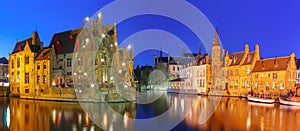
(75, 95)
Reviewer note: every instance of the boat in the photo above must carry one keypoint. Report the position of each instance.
(257, 104)
(262, 100)
(291, 103)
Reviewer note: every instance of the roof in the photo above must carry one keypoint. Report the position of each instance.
(181, 60)
(162, 59)
(298, 64)
(44, 54)
(64, 42)
(249, 59)
(216, 38)
(236, 58)
(190, 54)
(176, 80)
(146, 67)
(34, 48)
(271, 64)
(201, 57)
(3, 60)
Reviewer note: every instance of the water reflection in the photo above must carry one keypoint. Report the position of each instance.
(230, 114)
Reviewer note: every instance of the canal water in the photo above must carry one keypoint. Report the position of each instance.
(198, 113)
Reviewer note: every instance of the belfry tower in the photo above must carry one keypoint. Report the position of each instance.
(216, 62)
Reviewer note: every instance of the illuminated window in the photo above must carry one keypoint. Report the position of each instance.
(255, 85)
(274, 86)
(267, 85)
(12, 76)
(248, 71)
(18, 62)
(38, 79)
(18, 76)
(248, 84)
(256, 76)
(281, 86)
(236, 84)
(12, 64)
(44, 79)
(26, 77)
(26, 60)
(69, 62)
(274, 76)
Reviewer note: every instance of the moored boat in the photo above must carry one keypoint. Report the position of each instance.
(262, 100)
(291, 103)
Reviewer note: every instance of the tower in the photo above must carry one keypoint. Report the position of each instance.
(216, 62)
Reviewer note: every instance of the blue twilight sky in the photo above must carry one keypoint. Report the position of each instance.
(274, 24)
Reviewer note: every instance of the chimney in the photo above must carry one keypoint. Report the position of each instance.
(182, 52)
(246, 48)
(257, 52)
(257, 47)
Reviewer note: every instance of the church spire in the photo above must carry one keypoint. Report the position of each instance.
(216, 38)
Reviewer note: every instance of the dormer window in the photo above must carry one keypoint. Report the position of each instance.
(234, 59)
(275, 63)
(249, 59)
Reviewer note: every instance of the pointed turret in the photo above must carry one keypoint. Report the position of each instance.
(216, 38)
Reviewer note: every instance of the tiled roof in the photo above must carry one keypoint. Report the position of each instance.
(3, 60)
(298, 64)
(200, 58)
(34, 48)
(236, 58)
(271, 64)
(64, 42)
(249, 59)
(44, 54)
